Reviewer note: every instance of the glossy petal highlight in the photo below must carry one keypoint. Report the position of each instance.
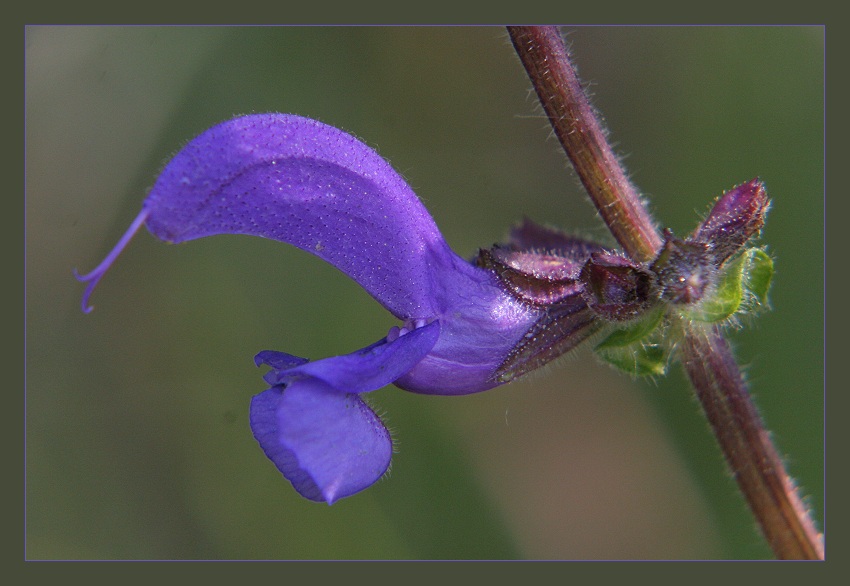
(478, 332)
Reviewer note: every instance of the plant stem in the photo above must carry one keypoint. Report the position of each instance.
(706, 356)
(758, 468)
(545, 58)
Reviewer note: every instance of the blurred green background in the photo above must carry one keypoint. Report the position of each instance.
(138, 443)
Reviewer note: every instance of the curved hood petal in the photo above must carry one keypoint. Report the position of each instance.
(308, 184)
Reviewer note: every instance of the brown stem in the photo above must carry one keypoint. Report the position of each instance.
(720, 388)
(749, 451)
(545, 58)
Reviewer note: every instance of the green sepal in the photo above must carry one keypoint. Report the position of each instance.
(637, 348)
(747, 275)
(637, 359)
(759, 274)
(632, 333)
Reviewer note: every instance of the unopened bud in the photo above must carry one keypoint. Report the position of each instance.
(617, 288)
(737, 216)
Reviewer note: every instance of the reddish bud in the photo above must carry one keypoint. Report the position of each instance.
(617, 288)
(737, 216)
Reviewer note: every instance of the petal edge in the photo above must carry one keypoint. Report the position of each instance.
(329, 445)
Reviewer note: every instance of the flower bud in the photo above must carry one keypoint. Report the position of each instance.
(617, 288)
(737, 216)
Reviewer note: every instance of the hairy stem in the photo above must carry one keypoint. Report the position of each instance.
(545, 58)
(749, 451)
(707, 358)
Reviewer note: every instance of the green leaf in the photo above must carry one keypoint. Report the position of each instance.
(748, 275)
(758, 273)
(634, 332)
(637, 359)
(727, 297)
(635, 349)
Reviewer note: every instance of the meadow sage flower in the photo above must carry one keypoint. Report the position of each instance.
(299, 181)
(465, 326)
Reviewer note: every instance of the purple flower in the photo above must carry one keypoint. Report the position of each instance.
(462, 329)
(465, 327)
